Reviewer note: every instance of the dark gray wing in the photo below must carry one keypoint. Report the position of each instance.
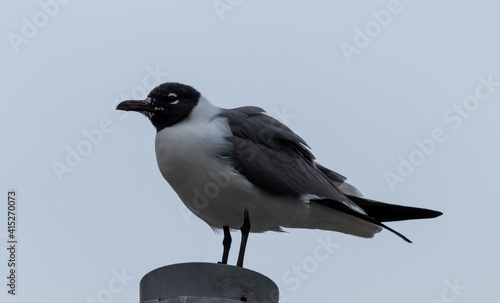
(339, 181)
(334, 176)
(274, 158)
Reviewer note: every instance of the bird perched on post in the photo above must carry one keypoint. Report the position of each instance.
(242, 169)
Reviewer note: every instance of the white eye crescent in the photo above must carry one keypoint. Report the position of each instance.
(173, 96)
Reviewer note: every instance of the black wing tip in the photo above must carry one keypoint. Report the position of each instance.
(407, 240)
(434, 214)
(394, 232)
(429, 215)
(385, 212)
(421, 213)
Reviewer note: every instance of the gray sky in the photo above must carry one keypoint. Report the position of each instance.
(400, 97)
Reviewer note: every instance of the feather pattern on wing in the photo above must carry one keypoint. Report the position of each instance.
(275, 159)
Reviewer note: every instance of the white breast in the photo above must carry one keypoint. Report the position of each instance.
(188, 155)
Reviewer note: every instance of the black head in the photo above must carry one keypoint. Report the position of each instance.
(166, 105)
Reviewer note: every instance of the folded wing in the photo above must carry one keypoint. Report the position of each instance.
(275, 159)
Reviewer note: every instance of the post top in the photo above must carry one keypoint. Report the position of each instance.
(202, 282)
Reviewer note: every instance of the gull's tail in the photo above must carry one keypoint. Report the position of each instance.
(378, 212)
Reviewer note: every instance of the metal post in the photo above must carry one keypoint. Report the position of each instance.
(206, 283)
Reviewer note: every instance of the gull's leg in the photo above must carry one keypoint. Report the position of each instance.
(226, 243)
(245, 230)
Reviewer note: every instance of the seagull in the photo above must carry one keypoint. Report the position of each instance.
(242, 169)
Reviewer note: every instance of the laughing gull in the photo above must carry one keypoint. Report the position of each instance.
(231, 167)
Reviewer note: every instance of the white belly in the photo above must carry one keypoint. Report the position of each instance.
(208, 185)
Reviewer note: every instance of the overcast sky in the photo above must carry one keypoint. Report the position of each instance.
(401, 97)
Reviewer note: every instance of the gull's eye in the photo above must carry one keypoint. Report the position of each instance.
(172, 98)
